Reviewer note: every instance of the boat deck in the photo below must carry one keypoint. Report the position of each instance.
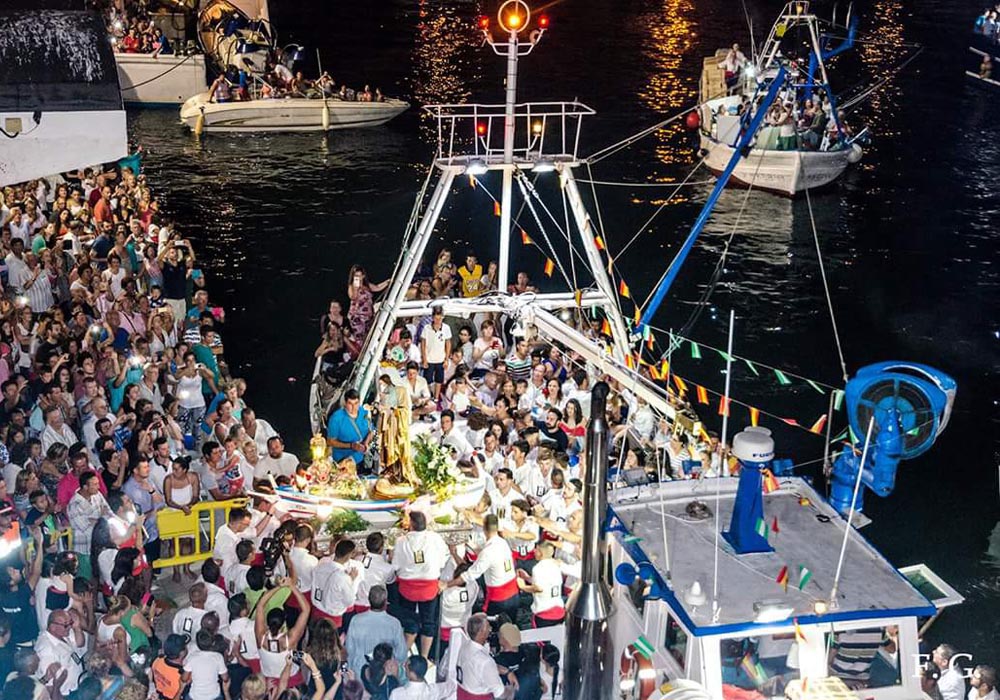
(809, 535)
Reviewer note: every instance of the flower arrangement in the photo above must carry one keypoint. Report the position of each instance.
(435, 468)
(343, 521)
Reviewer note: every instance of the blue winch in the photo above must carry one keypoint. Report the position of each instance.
(911, 404)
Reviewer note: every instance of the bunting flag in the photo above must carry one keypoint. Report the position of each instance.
(599, 242)
(472, 181)
(525, 238)
(654, 373)
(752, 367)
(629, 539)
(649, 343)
(578, 298)
(695, 351)
(768, 482)
(804, 576)
(761, 528)
(724, 406)
(702, 393)
(842, 436)
(838, 399)
(636, 317)
(782, 379)
(606, 328)
(496, 208)
(790, 421)
(643, 646)
(799, 637)
(611, 263)
(726, 357)
(550, 267)
(647, 332)
(814, 385)
(664, 369)
(754, 416)
(623, 290)
(818, 426)
(755, 672)
(782, 579)
(774, 525)
(681, 385)
(630, 361)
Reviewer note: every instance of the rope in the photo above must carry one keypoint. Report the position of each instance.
(822, 272)
(607, 183)
(600, 224)
(545, 236)
(862, 95)
(157, 77)
(628, 141)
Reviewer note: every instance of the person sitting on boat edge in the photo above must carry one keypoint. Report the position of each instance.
(220, 90)
(349, 429)
(986, 68)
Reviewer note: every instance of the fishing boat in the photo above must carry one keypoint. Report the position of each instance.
(792, 572)
(782, 158)
(201, 113)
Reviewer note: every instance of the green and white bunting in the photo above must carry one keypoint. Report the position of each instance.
(804, 576)
(695, 351)
(643, 646)
(751, 367)
(782, 378)
(814, 385)
(838, 399)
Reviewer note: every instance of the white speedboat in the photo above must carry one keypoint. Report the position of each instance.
(165, 79)
(782, 159)
(200, 113)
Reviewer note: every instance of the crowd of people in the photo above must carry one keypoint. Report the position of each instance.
(988, 23)
(132, 29)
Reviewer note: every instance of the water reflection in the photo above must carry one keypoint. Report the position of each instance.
(882, 47)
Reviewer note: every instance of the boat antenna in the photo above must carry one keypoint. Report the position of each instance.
(850, 516)
(722, 466)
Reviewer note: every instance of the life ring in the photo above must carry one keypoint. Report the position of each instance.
(638, 677)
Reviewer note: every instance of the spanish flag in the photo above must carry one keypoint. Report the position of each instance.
(664, 369)
(578, 297)
(636, 317)
(525, 238)
(769, 482)
(654, 373)
(754, 416)
(496, 208)
(606, 328)
(623, 290)
(630, 361)
(702, 393)
(723, 406)
(549, 267)
(649, 343)
(783, 578)
(818, 426)
(599, 242)
(681, 384)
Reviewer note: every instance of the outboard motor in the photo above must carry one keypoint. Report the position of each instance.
(754, 447)
(911, 404)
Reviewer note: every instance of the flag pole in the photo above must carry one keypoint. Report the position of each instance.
(850, 515)
(722, 465)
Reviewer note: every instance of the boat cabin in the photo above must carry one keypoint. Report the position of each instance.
(765, 623)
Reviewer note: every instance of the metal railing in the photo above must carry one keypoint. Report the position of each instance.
(198, 527)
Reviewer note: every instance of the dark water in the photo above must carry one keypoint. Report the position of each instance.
(908, 236)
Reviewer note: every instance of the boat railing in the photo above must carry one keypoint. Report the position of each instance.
(543, 131)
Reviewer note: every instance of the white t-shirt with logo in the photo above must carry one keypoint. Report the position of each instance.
(205, 667)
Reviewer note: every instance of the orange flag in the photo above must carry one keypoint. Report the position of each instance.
(636, 317)
(606, 328)
(578, 297)
(599, 242)
(818, 426)
(664, 369)
(654, 373)
(630, 361)
(754, 416)
(525, 238)
(702, 393)
(549, 267)
(496, 208)
(723, 406)
(681, 384)
(623, 290)
(769, 483)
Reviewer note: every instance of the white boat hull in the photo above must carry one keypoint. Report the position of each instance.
(296, 114)
(782, 172)
(160, 80)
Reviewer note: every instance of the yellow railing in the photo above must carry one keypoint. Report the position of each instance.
(199, 528)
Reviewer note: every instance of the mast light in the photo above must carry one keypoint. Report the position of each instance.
(514, 15)
(484, 23)
(481, 128)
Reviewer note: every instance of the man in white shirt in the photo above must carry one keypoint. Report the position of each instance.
(417, 687)
(216, 600)
(951, 684)
(333, 594)
(187, 620)
(61, 648)
(545, 583)
(303, 560)
(476, 672)
(418, 391)
(435, 347)
(56, 430)
(258, 429)
(204, 669)
(453, 437)
(502, 494)
(276, 462)
(495, 563)
(984, 682)
(375, 570)
(229, 536)
(493, 458)
(236, 575)
(419, 557)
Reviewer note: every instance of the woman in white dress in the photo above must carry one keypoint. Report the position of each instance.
(181, 490)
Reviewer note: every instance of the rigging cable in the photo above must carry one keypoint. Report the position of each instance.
(607, 151)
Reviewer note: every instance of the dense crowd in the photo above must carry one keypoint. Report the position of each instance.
(988, 23)
(132, 29)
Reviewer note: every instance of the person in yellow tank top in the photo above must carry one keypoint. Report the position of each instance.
(472, 275)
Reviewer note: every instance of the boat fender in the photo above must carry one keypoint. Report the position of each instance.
(636, 669)
(854, 156)
(692, 121)
(326, 116)
(199, 125)
(702, 152)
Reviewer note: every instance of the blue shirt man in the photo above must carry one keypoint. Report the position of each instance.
(146, 498)
(372, 628)
(349, 430)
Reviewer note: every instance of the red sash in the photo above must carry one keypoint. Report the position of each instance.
(358, 609)
(418, 590)
(522, 557)
(557, 613)
(464, 694)
(505, 591)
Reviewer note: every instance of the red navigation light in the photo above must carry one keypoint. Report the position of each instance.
(484, 22)
(543, 21)
(481, 128)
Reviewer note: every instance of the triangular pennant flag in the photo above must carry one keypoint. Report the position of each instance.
(799, 636)
(850, 433)
(804, 576)
(724, 406)
(629, 539)
(647, 332)
(695, 351)
(664, 369)
(790, 421)
(681, 384)
(550, 267)
(754, 416)
(472, 181)
(815, 386)
(702, 393)
(578, 298)
(643, 646)
(768, 482)
(761, 528)
(841, 436)
(649, 343)
(599, 242)
(525, 238)
(838, 399)
(782, 379)
(751, 367)
(782, 579)
(496, 208)
(606, 328)
(817, 427)
(755, 672)
(623, 290)
(726, 357)
(636, 317)
(654, 373)
(630, 361)
(774, 525)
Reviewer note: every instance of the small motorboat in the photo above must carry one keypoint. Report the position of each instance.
(201, 113)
